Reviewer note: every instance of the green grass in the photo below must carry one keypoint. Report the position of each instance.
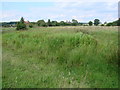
(54, 57)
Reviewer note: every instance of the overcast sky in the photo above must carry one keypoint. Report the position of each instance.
(82, 11)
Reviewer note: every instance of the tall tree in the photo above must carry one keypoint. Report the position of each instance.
(22, 20)
(74, 22)
(21, 25)
(96, 22)
(49, 23)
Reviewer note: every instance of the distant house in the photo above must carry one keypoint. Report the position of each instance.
(26, 22)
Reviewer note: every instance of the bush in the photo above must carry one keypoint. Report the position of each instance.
(102, 24)
(31, 26)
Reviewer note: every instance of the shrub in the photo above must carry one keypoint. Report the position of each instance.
(31, 26)
(102, 24)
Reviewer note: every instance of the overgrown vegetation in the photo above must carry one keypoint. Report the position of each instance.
(114, 23)
(21, 25)
(56, 57)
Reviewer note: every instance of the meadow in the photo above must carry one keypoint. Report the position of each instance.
(60, 57)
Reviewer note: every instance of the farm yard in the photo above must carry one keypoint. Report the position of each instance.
(55, 57)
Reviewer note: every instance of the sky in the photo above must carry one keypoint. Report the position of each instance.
(83, 11)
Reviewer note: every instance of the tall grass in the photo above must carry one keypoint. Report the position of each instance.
(60, 57)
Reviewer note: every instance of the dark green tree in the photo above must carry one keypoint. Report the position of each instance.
(74, 22)
(49, 23)
(114, 23)
(22, 20)
(21, 25)
(90, 23)
(96, 22)
(41, 23)
(118, 23)
(109, 24)
(62, 23)
(54, 23)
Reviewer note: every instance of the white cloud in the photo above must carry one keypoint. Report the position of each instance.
(67, 10)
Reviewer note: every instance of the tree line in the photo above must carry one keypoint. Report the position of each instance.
(21, 25)
(67, 23)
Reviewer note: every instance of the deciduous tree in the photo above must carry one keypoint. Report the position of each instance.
(96, 22)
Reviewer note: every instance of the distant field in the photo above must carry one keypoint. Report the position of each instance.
(60, 57)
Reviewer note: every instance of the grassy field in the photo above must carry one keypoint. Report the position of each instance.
(60, 57)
